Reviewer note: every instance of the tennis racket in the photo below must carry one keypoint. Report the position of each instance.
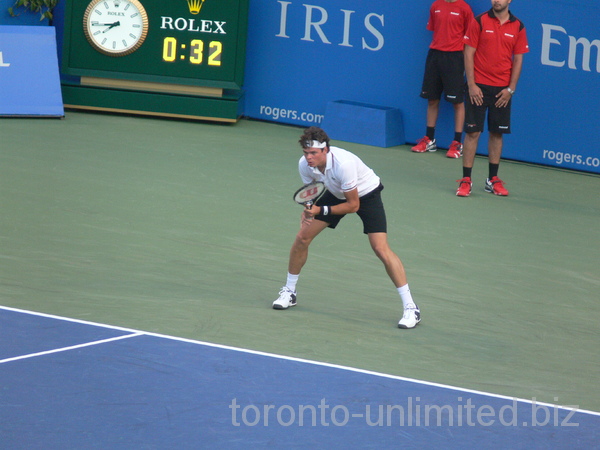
(308, 194)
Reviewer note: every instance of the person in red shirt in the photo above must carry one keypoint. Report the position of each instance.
(494, 46)
(445, 70)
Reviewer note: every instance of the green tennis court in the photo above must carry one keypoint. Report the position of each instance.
(184, 228)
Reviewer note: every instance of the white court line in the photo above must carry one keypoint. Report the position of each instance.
(306, 361)
(72, 347)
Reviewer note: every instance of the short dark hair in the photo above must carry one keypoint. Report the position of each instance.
(313, 134)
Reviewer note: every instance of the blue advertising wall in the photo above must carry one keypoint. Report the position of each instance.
(303, 54)
(29, 73)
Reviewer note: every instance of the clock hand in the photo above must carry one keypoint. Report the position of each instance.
(112, 25)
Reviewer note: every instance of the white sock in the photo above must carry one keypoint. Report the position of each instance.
(291, 282)
(407, 300)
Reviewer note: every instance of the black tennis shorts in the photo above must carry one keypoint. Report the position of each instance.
(444, 72)
(371, 211)
(498, 118)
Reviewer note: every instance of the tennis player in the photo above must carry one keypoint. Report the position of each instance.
(352, 187)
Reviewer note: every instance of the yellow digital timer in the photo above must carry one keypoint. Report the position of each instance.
(200, 52)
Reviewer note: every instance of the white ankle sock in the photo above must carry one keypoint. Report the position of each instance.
(407, 300)
(291, 282)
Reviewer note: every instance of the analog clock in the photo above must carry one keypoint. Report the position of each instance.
(115, 27)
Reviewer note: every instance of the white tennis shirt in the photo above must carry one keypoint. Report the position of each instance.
(344, 172)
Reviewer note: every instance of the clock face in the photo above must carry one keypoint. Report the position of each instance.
(115, 27)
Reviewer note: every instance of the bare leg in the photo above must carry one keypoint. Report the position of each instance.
(391, 261)
(459, 117)
(470, 148)
(433, 109)
(495, 148)
(299, 251)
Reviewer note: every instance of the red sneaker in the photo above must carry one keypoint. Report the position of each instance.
(425, 145)
(495, 186)
(455, 150)
(464, 187)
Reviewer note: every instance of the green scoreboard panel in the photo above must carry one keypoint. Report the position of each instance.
(176, 42)
(175, 58)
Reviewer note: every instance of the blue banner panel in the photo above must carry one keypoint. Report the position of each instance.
(29, 73)
(302, 55)
(557, 106)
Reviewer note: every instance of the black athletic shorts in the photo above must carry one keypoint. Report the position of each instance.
(371, 211)
(444, 72)
(498, 118)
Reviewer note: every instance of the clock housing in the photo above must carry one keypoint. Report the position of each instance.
(117, 27)
(188, 42)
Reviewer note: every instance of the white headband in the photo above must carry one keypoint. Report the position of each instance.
(316, 144)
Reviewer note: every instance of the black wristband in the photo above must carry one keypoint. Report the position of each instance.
(324, 210)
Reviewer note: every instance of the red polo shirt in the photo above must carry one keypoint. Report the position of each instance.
(495, 46)
(449, 22)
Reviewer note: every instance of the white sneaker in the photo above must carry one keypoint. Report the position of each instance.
(286, 299)
(410, 319)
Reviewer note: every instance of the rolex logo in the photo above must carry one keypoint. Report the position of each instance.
(195, 6)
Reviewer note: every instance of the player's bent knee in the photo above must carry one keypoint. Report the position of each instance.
(303, 240)
(382, 251)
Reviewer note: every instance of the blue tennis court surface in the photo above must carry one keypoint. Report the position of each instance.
(73, 384)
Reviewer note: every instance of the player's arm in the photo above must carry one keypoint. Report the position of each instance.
(475, 94)
(350, 206)
(516, 71)
(506, 94)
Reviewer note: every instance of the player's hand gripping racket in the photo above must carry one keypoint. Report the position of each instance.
(308, 194)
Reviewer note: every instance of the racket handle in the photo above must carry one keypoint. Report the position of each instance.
(308, 204)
